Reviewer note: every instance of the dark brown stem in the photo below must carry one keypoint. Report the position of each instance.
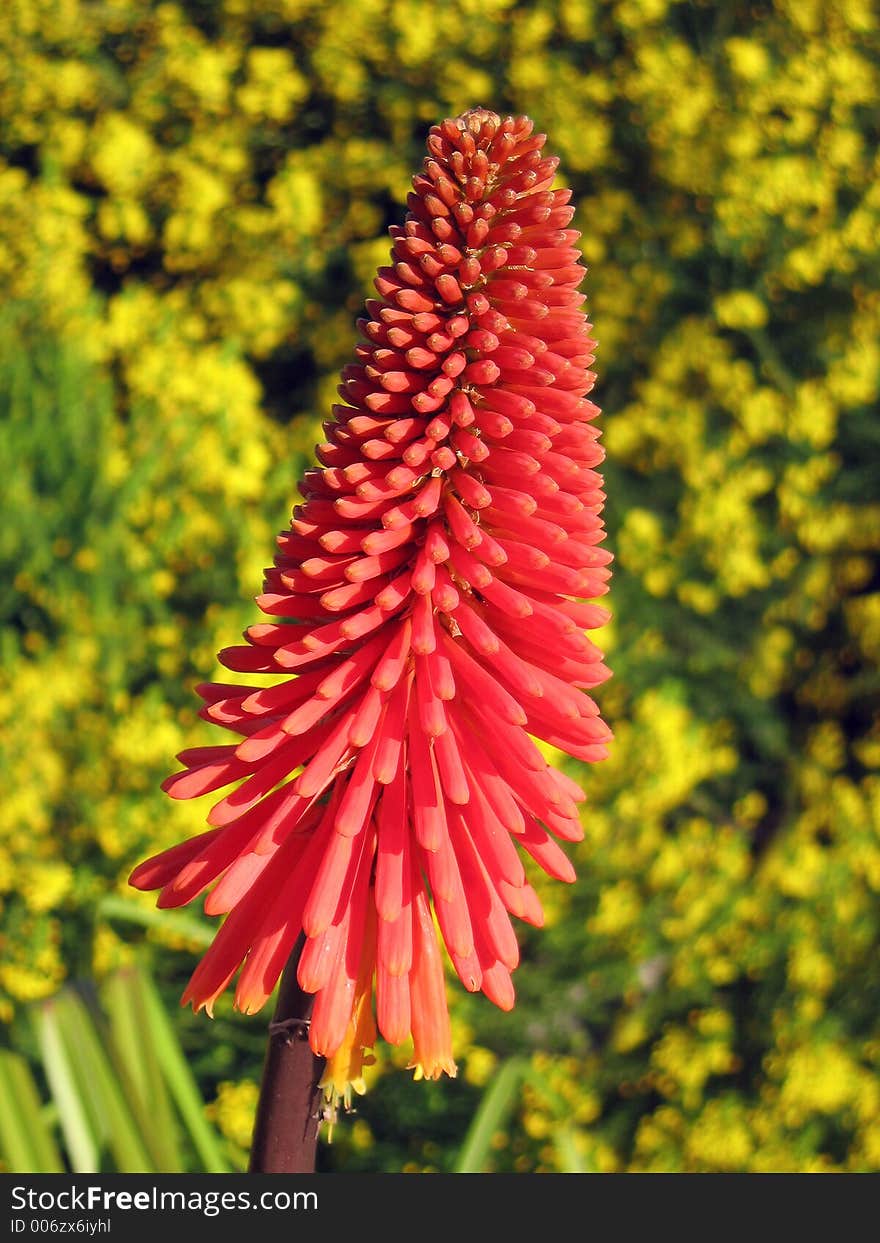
(289, 1109)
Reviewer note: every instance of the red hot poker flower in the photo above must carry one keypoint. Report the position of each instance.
(427, 616)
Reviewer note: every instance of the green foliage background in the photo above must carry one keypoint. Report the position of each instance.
(193, 200)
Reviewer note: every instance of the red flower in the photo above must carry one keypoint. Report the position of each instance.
(426, 611)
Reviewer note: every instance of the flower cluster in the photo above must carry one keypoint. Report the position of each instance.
(427, 606)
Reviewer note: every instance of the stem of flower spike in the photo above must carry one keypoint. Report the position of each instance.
(289, 1109)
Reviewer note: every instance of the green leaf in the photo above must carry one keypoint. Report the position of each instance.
(173, 923)
(98, 1081)
(494, 1109)
(133, 1044)
(81, 1137)
(26, 1142)
(181, 1081)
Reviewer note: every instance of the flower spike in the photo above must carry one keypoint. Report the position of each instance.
(427, 609)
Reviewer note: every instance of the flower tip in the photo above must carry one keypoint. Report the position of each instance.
(433, 1070)
(136, 878)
